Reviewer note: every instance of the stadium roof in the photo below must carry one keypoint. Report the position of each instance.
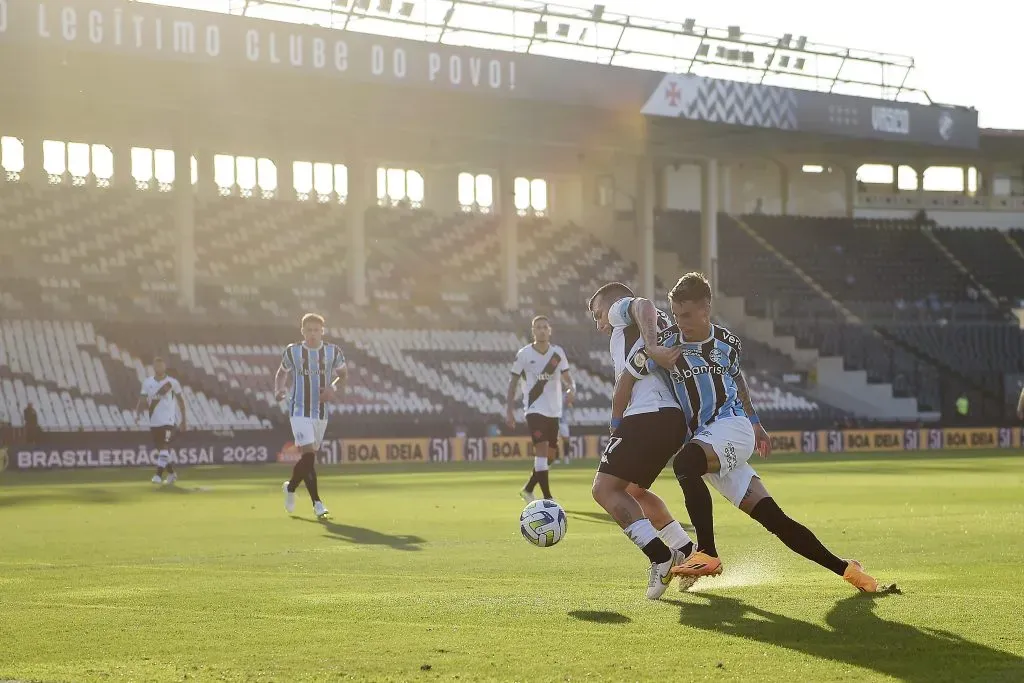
(586, 32)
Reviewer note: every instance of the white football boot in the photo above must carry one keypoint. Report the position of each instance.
(319, 510)
(171, 478)
(289, 499)
(156, 479)
(661, 575)
(527, 496)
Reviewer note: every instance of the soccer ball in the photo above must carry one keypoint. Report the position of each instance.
(543, 523)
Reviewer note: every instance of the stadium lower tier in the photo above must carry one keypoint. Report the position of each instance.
(85, 376)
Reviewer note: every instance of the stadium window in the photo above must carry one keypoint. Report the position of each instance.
(78, 162)
(972, 180)
(531, 196)
(245, 175)
(399, 185)
(102, 165)
(813, 168)
(323, 181)
(875, 174)
(302, 179)
(341, 182)
(164, 171)
(906, 178)
(266, 177)
(12, 157)
(476, 192)
(55, 161)
(195, 170)
(944, 179)
(224, 173)
(142, 167)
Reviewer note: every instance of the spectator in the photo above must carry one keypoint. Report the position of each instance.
(32, 430)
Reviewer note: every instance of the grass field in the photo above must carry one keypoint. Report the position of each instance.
(422, 575)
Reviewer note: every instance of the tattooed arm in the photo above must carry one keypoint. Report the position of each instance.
(645, 316)
(762, 441)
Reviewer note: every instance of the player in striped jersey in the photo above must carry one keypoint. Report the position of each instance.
(317, 373)
(702, 362)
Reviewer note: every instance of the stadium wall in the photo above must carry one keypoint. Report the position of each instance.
(124, 449)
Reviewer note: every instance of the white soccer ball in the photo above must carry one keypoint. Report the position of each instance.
(543, 523)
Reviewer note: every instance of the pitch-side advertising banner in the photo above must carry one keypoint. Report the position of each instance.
(130, 449)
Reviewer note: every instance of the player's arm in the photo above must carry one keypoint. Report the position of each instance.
(510, 400)
(620, 396)
(761, 438)
(139, 405)
(179, 396)
(645, 315)
(337, 385)
(570, 387)
(283, 376)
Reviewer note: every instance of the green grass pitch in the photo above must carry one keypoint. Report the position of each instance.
(422, 575)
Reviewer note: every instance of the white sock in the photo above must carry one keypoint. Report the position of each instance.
(162, 459)
(641, 532)
(674, 535)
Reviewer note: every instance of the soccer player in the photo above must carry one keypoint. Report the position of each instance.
(317, 372)
(646, 433)
(544, 367)
(563, 435)
(166, 403)
(704, 368)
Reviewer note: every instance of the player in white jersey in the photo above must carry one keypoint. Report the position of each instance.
(650, 431)
(317, 373)
(165, 402)
(545, 369)
(724, 429)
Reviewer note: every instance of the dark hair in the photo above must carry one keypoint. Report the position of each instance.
(616, 288)
(538, 318)
(691, 287)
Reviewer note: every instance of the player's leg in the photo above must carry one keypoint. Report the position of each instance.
(669, 530)
(547, 448)
(172, 476)
(636, 453)
(312, 485)
(160, 446)
(304, 436)
(714, 452)
(535, 423)
(760, 505)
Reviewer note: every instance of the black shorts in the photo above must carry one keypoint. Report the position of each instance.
(642, 445)
(162, 436)
(543, 429)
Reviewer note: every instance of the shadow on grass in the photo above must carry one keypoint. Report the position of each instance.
(363, 536)
(858, 637)
(600, 617)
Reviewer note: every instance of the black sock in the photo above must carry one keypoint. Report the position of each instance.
(532, 484)
(311, 485)
(542, 479)
(170, 469)
(657, 551)
(796, 536)
(686, 549)
(301, 469)
(690, 466)
(160, 471)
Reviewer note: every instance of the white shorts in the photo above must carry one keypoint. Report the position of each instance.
(733, 441)
(308, 431)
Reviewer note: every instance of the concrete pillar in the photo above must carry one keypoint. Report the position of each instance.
(206, 184)
(725, 188)
(185, 225)
(508, 226)
(362, 196)
(709, 222)
(783, 189)
(646, 191)
(895, 179)
(122, 153)
(285, 181)
(851, 190)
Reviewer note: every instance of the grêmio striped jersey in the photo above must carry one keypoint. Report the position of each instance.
(312, 370)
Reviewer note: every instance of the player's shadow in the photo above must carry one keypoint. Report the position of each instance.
(600, 617)
(363, 536)
(858, 637)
